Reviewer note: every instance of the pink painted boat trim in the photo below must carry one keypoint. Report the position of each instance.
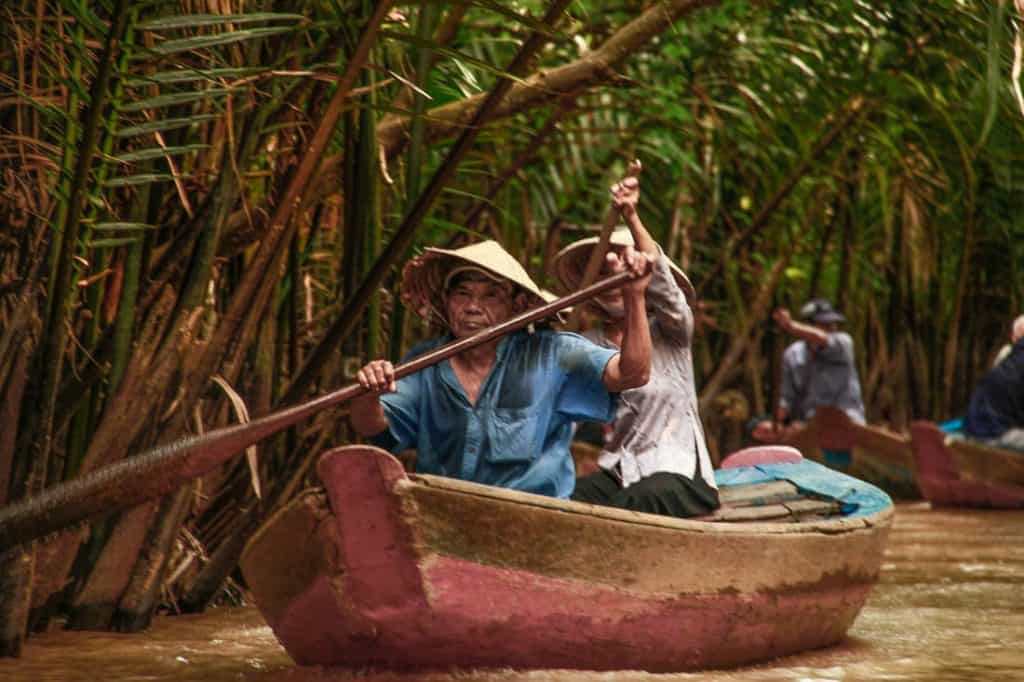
(378, 551)
(940, 479)
(542, 620)
(761, 454)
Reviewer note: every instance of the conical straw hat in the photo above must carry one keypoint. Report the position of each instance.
(424, 276)
(571, 262)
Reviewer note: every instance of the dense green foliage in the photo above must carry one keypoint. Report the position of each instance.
(186, 195)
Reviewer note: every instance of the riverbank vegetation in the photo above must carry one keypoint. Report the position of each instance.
(204, 207)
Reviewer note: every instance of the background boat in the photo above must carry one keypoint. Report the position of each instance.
(957, 472)
(384, 569)
(871, 453)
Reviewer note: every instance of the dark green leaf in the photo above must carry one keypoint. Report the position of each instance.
(165, 124)
(207, 41)
(197, 20)
(129, 180)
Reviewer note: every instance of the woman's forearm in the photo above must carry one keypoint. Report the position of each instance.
(641, 237)
(635, 358)
(814, 336)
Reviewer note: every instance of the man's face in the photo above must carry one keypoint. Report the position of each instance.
(827, 327)
(474, 302)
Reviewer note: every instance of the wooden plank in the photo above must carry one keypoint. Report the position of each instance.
(812, 507)
(984, 463)
(769, 512)
(885, 445)
(794, 511)
(579, 509)
(754, 494)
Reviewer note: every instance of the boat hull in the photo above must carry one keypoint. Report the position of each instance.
(963, 474)
(870, 453)
(430, 573)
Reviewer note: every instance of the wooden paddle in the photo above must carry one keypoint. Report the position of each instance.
(778, 350)
(597, 255)
(134, 480)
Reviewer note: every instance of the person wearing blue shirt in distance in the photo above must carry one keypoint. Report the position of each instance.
(501, 414)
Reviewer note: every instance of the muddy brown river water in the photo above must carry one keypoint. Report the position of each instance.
(949, 606)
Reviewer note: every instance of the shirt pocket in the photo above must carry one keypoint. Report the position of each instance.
(512, 432)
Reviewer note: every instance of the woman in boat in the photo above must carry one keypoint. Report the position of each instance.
(656, 459)
(502, 413)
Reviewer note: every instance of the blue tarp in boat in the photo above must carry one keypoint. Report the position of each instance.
(857, 497)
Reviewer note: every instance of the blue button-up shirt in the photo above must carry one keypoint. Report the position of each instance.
(517, 434)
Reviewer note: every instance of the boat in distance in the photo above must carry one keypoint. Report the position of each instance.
(869, 452)
(955, 472)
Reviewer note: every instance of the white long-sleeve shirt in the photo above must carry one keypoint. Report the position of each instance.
(657, 426)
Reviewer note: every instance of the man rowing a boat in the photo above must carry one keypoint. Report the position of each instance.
(817, 369)
(502, 413)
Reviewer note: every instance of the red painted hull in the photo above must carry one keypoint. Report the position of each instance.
(426, 573)
(943, 483)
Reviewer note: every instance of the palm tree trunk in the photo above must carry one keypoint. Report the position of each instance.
(225, 558)
(16, 568)
(16, 595)
(142, 595)
(759, 310)
(93, 608)
(403, 237)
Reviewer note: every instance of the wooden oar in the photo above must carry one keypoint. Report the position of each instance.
(134, 480)
(778, 351)
(597, 255)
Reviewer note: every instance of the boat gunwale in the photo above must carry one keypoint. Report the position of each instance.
(966, 454)
(899, 439)
(881, 518)
(406, 485)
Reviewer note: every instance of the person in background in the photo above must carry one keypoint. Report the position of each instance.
(995, 413)
(818, 368)
(502, 413)
(1016, 334)
(655, 458)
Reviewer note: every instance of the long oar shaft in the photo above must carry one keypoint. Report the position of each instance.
(597, 254)
(134, 480)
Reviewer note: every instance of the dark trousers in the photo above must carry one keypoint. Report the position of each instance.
(660, 493)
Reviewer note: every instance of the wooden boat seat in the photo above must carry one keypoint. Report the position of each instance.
(772, 492)
(773, 501)
(798, 510)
